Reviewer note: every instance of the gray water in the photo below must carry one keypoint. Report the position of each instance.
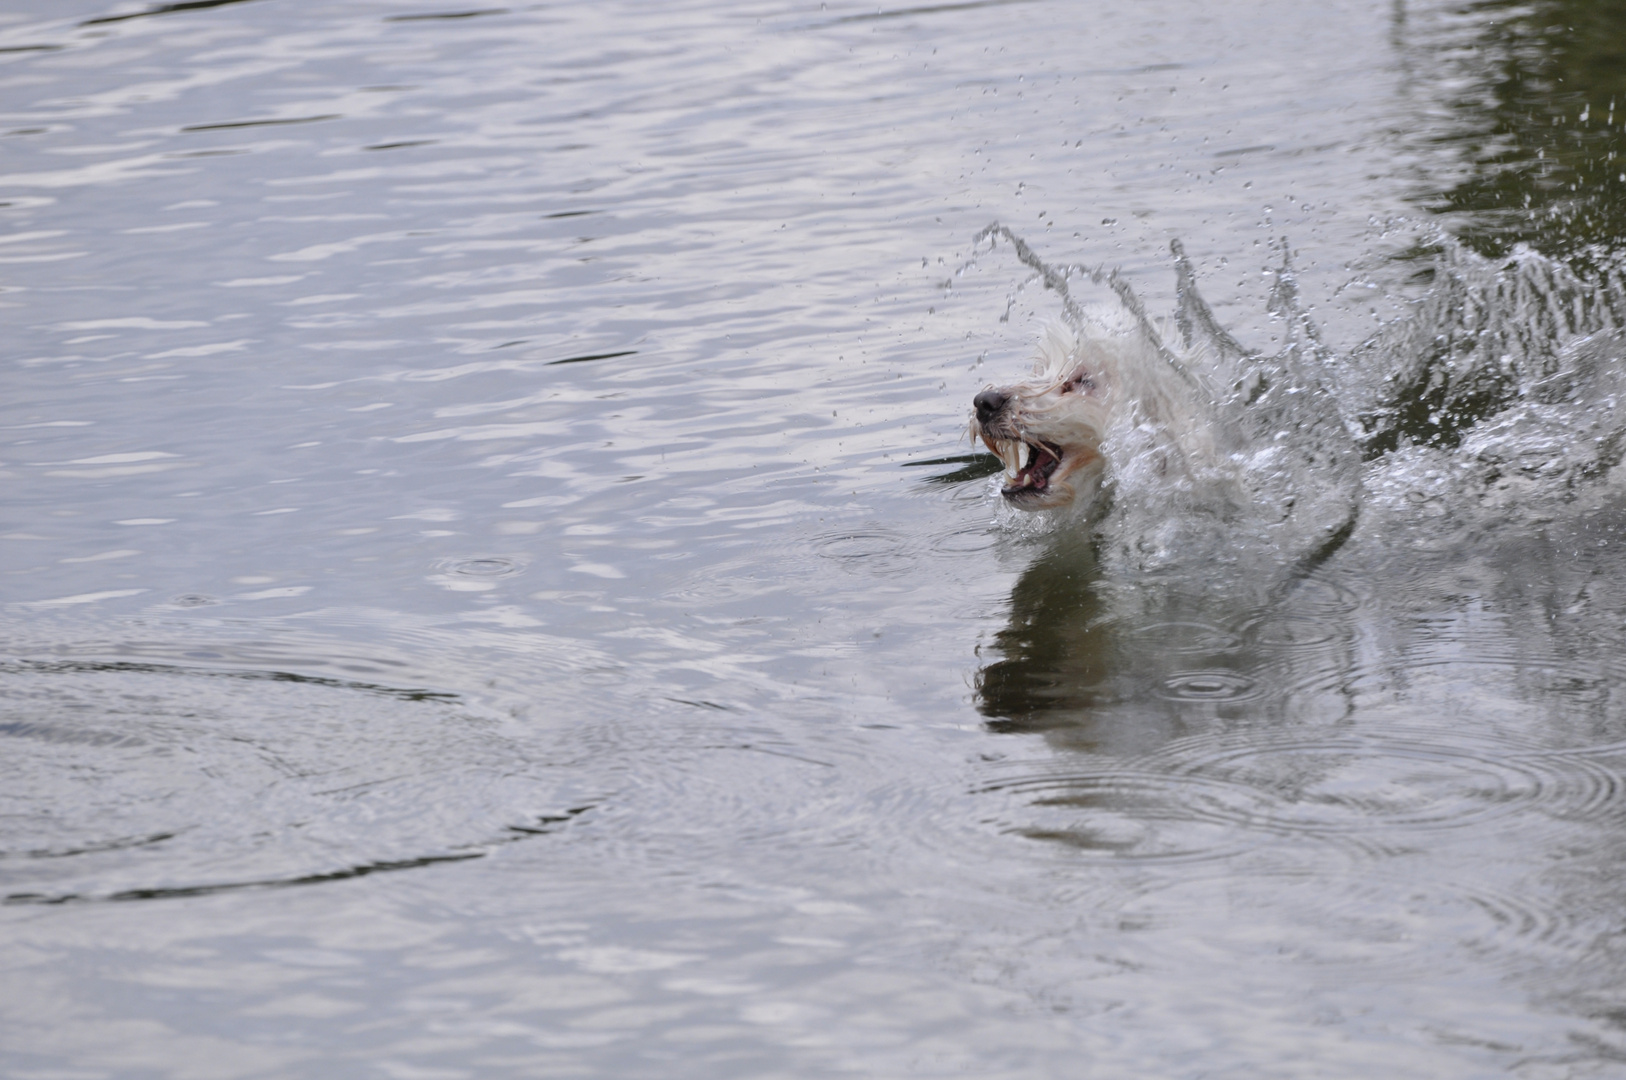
(495, 583)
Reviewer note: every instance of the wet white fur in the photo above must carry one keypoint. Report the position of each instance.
(1140, 412)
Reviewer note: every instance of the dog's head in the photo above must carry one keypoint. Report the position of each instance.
(1049, 428)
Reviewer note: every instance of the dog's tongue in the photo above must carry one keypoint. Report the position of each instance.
(1036, 474)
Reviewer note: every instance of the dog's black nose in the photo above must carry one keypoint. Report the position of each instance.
(988, 403)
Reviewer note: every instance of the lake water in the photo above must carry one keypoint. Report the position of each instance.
(495, 583)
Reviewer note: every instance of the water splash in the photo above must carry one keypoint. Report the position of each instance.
(1487, 334)
(1282, 485)
(1500, 388)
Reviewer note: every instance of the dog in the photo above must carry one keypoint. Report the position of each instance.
(1100, 386)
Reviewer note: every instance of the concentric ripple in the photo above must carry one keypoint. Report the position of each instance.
(1451, 680)
(484, 566)
(1211, 685)
(125, 780)
(966, 541)
(873, 551)
(1369, 784)
(1129, 814)
(1292, 632)
(1213, 795)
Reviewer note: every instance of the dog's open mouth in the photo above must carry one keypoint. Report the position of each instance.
(1028, 465)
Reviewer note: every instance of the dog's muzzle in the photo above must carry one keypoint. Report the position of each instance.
(1029, 463)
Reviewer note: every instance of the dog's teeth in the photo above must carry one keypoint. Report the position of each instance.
(1022, 451)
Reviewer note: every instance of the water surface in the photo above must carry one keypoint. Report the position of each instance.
(495, 583)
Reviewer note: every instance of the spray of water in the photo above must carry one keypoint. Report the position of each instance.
(1282, 482)
(1496, 400)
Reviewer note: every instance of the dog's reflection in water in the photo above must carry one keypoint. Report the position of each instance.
(1092, 678)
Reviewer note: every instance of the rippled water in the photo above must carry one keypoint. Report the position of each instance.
(496, 585)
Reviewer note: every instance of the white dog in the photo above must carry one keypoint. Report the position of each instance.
(1205, 451)
(1095, 386)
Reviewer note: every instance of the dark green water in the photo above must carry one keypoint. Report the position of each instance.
(1534, 104)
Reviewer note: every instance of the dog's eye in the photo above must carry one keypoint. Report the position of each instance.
(1080, 382)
